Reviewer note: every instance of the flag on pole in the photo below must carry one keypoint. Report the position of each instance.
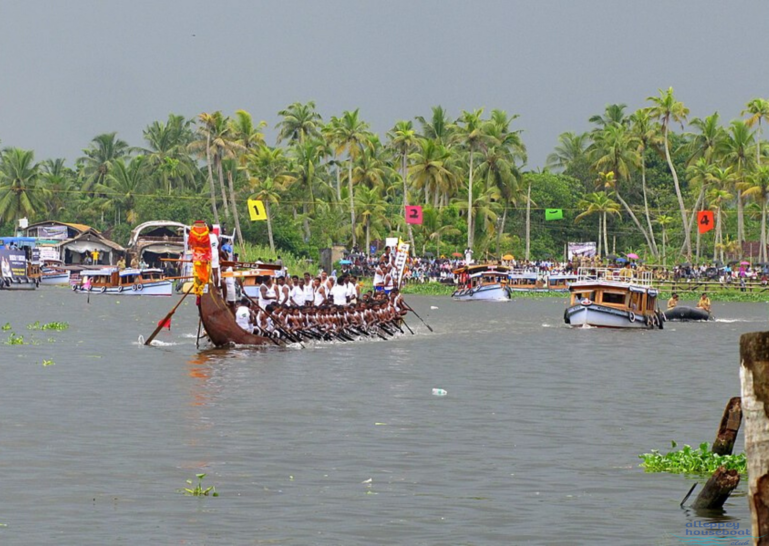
(705, 221)
(553, 214)
(256, 210)
(414, 214)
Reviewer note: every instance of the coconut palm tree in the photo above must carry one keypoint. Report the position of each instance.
(123, 183)
(737, 154)
(647, 134)
(268, 179)
(664, 221)
(350, 134)
(667, 109)
(60, 183)
(403, 140)
(440, 127)
(717, 197)
(701, 175)
(208, 124)
(300, 121)
(99, 157)
(372, 211)
(470, 132)
(21, 193)
(759, 111)
(614, 114)
(758, 189)
(430, 169)
(571, 149)
(601, 204)
(167, 156)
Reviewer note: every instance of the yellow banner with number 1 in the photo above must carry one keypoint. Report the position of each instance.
(256, 210)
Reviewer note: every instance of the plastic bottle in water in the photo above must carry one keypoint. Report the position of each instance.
(439, 392)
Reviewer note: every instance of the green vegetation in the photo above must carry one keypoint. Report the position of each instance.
(13, 339)
(198, 490)
(6, 327)
(49, 326)
(48, 363)
(429, 289)
(633, 182)
(692, 461)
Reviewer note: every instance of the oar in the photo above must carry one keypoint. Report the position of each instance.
(197, 338)
(167, 318)
(407, 326)
(415, 314)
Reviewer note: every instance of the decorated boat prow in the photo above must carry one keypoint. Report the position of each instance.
(220, 325)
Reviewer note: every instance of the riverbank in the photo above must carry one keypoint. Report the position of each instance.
(722, 295)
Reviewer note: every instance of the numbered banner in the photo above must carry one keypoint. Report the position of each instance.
(414, 214)
(705, 221)
(256, 210)
(553, 214)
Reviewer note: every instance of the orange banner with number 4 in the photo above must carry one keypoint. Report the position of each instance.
(705, 221)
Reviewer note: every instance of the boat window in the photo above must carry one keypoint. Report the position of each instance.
(613, 297)
(587, 294)
(635, 301)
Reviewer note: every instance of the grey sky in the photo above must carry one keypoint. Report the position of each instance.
(72, 69)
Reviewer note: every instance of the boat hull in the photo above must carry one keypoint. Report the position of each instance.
(160, 288)
(683, 313)
(484, 293)
(220, 325)
(55, 278)
(599, 316)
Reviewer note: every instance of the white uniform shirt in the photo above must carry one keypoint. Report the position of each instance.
(229, 283)
(263, 303)
(309, 293)
(339, 293)
(243, 318)
(297, 295)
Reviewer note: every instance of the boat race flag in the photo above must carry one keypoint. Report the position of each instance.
(553, 214)
(414, 214)
(705, 221)
(256, 210)
(400, 260)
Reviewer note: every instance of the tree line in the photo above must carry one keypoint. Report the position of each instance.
(640, 176)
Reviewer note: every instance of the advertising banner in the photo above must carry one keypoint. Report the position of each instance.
(13, 263)
(582, 250)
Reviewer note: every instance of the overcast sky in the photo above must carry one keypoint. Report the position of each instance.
(72, 69)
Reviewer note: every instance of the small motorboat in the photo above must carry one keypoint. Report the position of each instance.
(683, 313)
(482, 282)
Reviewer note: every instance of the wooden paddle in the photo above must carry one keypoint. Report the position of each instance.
(416, 315)
(167, 318)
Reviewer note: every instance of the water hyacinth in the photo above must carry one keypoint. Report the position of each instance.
(692, 461)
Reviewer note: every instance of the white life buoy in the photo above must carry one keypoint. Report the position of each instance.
(139, 286)
(631, 316)
(120, 288)
(102, 289)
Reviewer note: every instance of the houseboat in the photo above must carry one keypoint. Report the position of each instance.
(126, 282)
(482, 282)
(613, 298)
(53, 272)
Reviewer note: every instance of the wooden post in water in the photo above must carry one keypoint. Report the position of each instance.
(717, 489)
(754, 379)
(730, 425)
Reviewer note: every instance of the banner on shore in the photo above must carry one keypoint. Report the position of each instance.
(581, 250)
(13, 263)
(414, 214)
(256, 210)
(705, 221)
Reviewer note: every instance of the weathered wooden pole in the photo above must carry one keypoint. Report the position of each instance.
(730, 425)
(717, 489)
(754, 379)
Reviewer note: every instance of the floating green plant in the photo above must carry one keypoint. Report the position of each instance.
(48, 362)
(6, 326)
(198, 490)
(48, 326)
(13, 339)
(692, 461)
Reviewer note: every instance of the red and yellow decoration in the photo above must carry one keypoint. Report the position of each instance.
(200, 245)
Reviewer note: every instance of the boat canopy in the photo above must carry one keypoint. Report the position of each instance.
(99, 272)
(132, 271)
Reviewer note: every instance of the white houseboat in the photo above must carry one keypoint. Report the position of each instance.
(482, 282)
(613, 298)
(126, 282)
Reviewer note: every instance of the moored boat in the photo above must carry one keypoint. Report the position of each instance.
(19, 263)
(126, 282)
(482, 282)
(613, 298)
(52, 273)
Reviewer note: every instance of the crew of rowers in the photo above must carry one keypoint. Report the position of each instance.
(322, 308)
